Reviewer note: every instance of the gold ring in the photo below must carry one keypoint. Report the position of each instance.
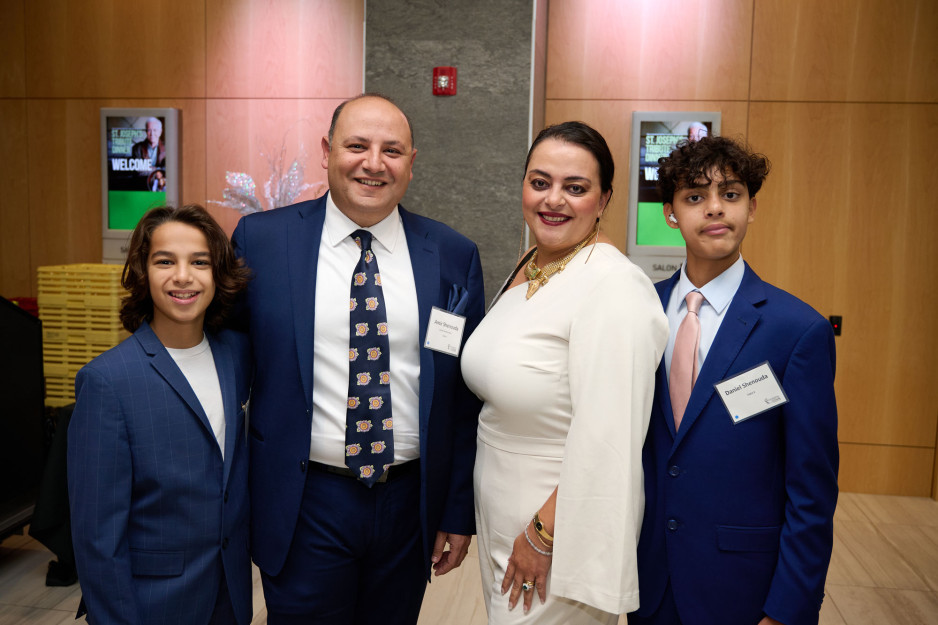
(526, 586)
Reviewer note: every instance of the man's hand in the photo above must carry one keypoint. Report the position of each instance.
(768, 621)
(446, 561)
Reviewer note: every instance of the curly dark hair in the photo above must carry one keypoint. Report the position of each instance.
(228, 272)
(586, 137)
(692, 161)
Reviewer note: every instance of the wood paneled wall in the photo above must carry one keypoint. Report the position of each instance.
(843, 98)
(249, 76)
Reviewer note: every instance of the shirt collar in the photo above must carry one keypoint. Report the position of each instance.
(718, 292)
(337, 227)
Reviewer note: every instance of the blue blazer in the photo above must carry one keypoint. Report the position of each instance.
(156, 514)
(282, 249)
(740, 517)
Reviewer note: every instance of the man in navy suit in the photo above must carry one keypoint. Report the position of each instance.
(332, 548)
(741, 485)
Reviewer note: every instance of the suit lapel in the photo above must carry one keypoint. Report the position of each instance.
(303, 236)
(664, 289)
(738, 323)
(664, 397)
(164, 365)
(224, 367)
(425, 260)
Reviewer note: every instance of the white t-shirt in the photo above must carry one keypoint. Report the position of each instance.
(198, 365)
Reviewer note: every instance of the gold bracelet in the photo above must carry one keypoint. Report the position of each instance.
(542, 541)
(535, 547)
(539, 528)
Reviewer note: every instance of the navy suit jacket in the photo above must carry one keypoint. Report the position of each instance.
(281, 247)
(156, 512)
(740, 517)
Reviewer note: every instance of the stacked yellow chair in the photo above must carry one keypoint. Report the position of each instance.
(79, 307)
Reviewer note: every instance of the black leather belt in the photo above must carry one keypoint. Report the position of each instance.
(396, 471)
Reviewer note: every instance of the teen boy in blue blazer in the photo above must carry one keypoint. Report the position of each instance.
(738, 525)
(157, 452)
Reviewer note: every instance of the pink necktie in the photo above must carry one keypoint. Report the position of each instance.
(684, 357)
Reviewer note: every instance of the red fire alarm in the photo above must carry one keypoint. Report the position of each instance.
(444, 81)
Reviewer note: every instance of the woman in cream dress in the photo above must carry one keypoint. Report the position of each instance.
(565, 362)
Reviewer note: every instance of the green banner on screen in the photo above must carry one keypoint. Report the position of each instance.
(651, 229)
(125, 208)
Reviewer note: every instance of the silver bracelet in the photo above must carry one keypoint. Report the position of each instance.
(533, 546)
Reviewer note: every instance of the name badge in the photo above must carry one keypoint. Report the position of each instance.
(751, 392)
(444, 332)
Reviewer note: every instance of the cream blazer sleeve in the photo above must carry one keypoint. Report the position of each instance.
(616, 342)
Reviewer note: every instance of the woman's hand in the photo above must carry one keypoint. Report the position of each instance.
(525, 565)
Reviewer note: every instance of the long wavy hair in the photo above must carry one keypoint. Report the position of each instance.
(228, 272)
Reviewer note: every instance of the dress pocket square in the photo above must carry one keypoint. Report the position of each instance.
(458, 300)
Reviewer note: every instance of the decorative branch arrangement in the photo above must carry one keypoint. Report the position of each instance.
(282, 188)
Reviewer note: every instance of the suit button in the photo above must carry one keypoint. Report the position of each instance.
(303, 466)
(224, 543)
(674, 471)
(672, 524)
(226, 497)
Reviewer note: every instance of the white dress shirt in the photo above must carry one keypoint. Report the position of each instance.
(718, 293)
(338, 255)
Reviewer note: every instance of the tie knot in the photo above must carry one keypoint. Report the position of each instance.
(694, 299)
(363, 239)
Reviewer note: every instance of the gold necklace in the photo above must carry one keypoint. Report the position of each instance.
(539, 276)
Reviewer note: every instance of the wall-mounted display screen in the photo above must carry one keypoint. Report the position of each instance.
(655, 247)
(140, 170)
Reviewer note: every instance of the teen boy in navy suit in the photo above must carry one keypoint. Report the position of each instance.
(157, 453)
(741, 484)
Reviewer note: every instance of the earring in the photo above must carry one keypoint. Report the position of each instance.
(521, 241)
(595, 241)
